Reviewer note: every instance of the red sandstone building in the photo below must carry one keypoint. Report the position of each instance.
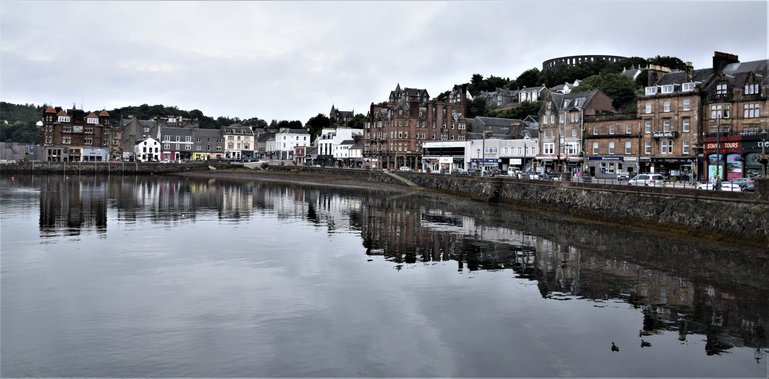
(75, 136)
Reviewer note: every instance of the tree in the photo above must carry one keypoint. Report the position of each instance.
(477, 107)
(316, 125)
(670, 62)
(357, 122)
(620, 88)
(529, 78)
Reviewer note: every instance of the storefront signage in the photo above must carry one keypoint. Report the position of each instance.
(445, 160)
(606, 158)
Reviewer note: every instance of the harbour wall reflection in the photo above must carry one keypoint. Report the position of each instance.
(694, 288)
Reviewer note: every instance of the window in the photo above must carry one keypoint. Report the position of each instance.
(717, 111)
(67, 129)
(666, 106)
(188, 139)
(687, 104)
(166, 146)
(66, 140)
(611, 147)
(647, 147)
(611, 129)
(188, 147)
(595, 147)
(629, 129)
(177, 146)
(575, 117)
(648, 126)
(560, 118)
(92, 120)
(666, 147)
(685, 124)
(667, 88)
(628, 147)
(595, 130)
(685, 147)
(548, 148)
(648, 107)
(88, 141)
(721, 89)
(751, 110)
(666, 125)
(687, 87)
(651, 90)
(751, 89)
(552, 119)
(178, 138)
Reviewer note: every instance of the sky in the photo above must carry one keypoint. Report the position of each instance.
(292, 60)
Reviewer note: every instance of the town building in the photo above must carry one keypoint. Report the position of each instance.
(396, 129)
(561, 143)
(339, 118)
(281, 145)
(239, 142)
(75, 136)
(613, 144)
(147, 150)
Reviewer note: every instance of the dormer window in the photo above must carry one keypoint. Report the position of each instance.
(721, 89)
(668, 88)
(63, 118)
(687, 87)
(92, 120)
(651, 90)
(751, 88)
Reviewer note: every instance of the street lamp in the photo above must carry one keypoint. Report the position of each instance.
(763, 149)
(718, 143)
(478, 151)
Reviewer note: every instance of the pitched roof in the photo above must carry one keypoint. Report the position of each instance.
(62, 113)
(103, 114)
(50, 110)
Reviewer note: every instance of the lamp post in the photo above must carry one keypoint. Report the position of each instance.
(718, 144)
(483, 146)
(763, 149)
(478, 151)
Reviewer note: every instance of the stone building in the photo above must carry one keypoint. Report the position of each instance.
(561, 137)
(395, 130)
(74, 135)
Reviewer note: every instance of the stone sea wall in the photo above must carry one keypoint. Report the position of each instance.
(711, 215)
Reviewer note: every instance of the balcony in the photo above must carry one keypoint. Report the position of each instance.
(670, 134)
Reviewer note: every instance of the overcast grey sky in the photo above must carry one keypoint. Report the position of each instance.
(293, 60)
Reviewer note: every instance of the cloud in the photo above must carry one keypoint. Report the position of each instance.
(293, 60)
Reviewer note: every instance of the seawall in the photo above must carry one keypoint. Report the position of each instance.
(739, 217)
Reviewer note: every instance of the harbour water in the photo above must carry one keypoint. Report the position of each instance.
(152, 276)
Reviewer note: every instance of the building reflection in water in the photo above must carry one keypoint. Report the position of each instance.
(678, 285)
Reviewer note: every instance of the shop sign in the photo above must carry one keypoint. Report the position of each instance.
(594, 158)
(445, 159)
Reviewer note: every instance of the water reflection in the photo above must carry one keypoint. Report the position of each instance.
(719, 293)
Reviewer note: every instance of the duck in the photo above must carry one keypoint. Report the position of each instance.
(645, 343)
(614, 347)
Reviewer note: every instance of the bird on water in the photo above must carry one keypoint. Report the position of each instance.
(614, 347)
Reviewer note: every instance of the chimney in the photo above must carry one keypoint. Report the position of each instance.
(689, 69)
(720, 60)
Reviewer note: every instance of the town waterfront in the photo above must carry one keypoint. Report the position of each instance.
(163, 276)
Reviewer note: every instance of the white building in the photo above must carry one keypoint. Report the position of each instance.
(282, 147)
(330, 142)
(444, 156)
(239, 142)
(147, 150)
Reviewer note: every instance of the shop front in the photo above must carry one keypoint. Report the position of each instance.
(724, 157)
(605, 167)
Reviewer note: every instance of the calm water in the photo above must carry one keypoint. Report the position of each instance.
(175, 277)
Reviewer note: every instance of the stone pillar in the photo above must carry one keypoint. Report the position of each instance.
(762, 188)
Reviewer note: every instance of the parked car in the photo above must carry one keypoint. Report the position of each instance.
(746, 184)
(515, 173)
(404, 168)
(459, 171)
(725, 186)
(623, 175)
(647, 180)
